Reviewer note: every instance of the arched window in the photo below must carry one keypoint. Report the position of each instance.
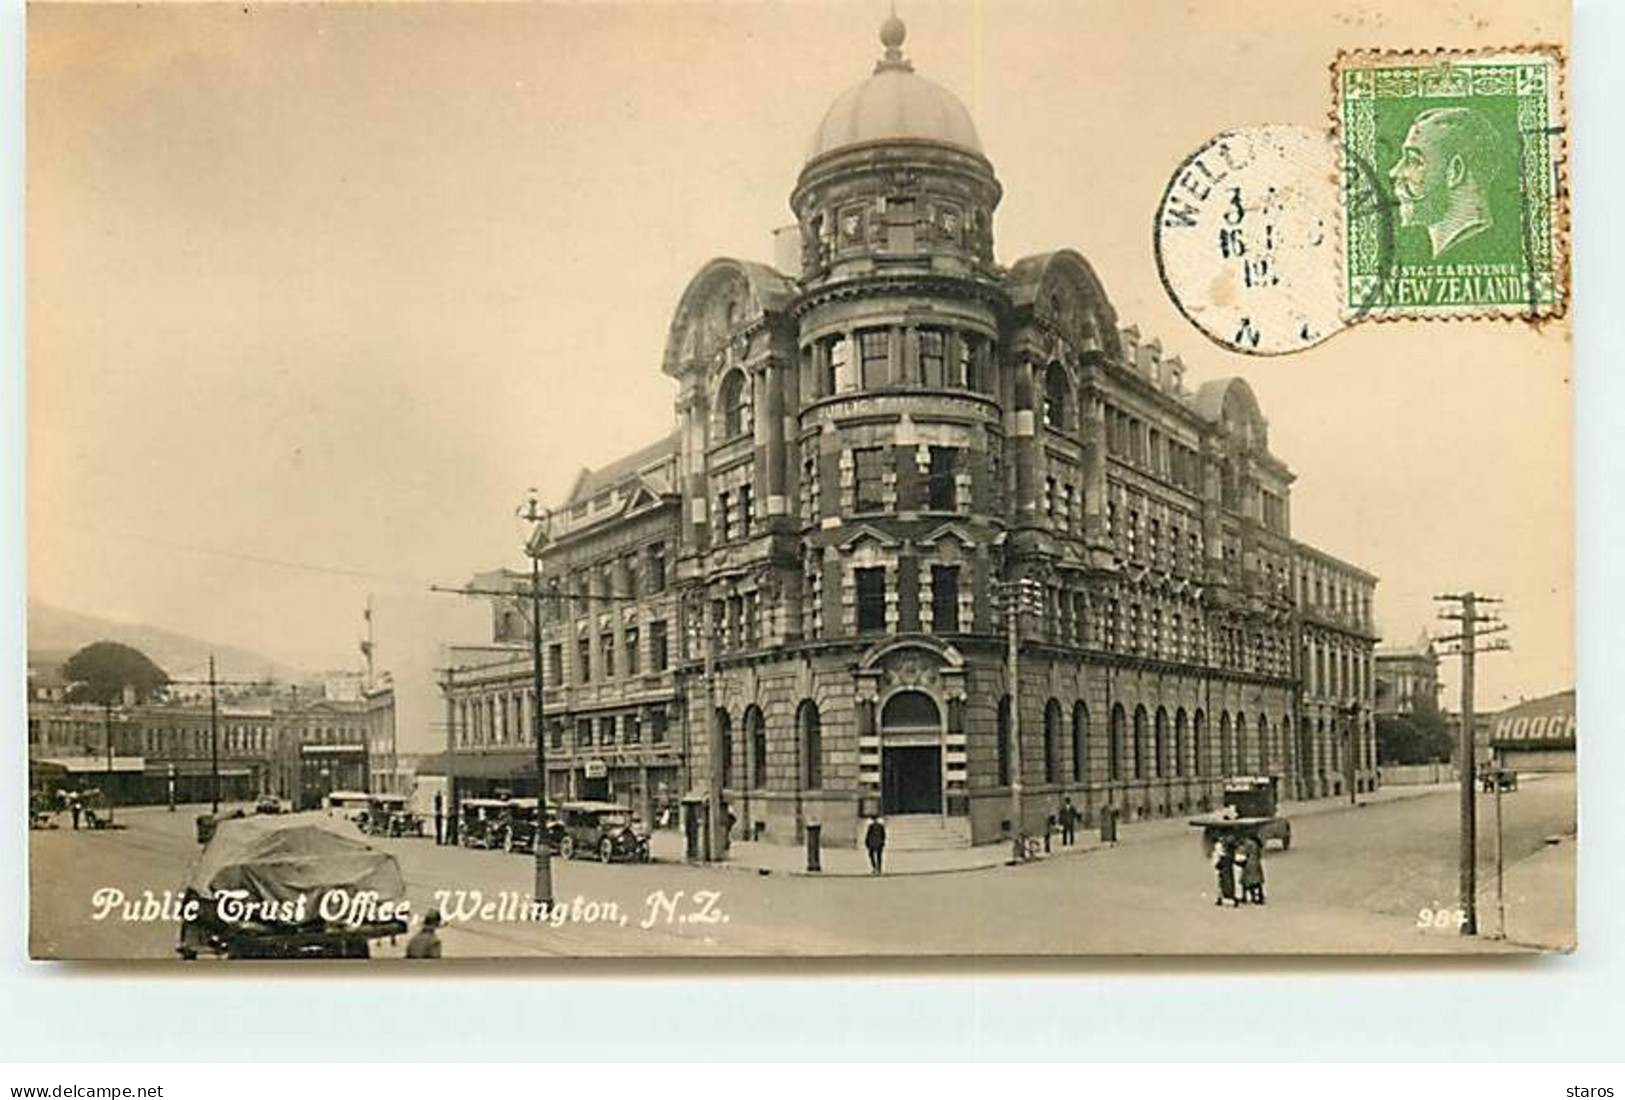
(1114, 743)
(1199, 745)
(756, 728)
(1139, 742)
(1243, 756)
(1181, 743)
(812, 745)
(1320, 746)
(1003, 742)
(1161, 743)
(727, 740)
(1080, 742)
(1265, 755)
(1226, 750)
(731, 400)
(1057, 398)
(1052, 741)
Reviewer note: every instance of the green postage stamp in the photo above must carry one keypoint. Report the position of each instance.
(1454, 202)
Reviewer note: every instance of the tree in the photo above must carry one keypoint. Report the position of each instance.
(1417, 738)
(99, 673)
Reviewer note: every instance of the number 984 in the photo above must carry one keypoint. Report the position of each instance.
(1441, 918)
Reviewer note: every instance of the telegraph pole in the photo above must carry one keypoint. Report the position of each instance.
(543, 894)
(214, 740)
(1464, 608)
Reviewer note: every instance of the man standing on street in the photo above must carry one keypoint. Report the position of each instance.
(1069, 823)
(439, 820)
(875, 840)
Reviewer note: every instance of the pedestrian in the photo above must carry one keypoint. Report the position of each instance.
(1050, 822)
(425, 942)
(75, 808)
(439, 819)
(1069, 823)
(874, 839)
(1252, 870)
(1224, 863)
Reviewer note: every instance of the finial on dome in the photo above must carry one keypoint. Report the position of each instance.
(892, 33)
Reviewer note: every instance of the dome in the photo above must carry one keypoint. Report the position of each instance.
(895, 104)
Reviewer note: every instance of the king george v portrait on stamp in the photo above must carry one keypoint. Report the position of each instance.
(1454, 161)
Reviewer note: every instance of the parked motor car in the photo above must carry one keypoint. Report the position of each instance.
(392, 815)
(523, 821)
(270, 804)
(602, 829)
(352, 806)
(1504, 778)
(482, 824)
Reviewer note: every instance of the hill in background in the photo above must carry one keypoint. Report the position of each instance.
(54, 635)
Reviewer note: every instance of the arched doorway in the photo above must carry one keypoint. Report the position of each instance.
(911, 754)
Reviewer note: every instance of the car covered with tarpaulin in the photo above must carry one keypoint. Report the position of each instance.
(290, 886)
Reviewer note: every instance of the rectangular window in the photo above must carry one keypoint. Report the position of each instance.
(656, 572)
(874, 350)
(658, 656)
(933, 357)
(633, 733)
(871, 586)
(606, 646)
(1049, 497)
(945, 598)
(962, 368)
(838, 366)
(633, 657)
(584, 659)
(555, 664)
(725, 531)
(900, 225)
(943, 483)
(584, 733)
(555, 735)
(867, 464)
(657, 727)
(1133, 534)
(606, 730)
(744, 512)
(578, 589)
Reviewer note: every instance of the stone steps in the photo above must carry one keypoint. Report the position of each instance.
(926, 832)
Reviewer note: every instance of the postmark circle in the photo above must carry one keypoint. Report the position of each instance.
(1246, 239)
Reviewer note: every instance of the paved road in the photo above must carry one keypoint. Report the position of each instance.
(1354, 881)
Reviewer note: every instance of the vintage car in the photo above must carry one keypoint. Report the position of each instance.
(352, 806)
(520, 825)
(1504, 778)
(1250, 809)
(483, 822)
(269, 804)
(291, 886)
(601, 829)
(391, 815)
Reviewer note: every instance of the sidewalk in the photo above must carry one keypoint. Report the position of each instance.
(786, 859)
(1539, 899)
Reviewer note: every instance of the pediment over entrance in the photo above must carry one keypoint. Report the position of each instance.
(867, 534)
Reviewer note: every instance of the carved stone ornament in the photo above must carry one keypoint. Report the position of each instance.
(913, 670)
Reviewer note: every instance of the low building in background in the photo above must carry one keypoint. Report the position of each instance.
(1407, 678)
(1537, 735)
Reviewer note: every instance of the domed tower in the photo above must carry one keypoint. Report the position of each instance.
(899, 417)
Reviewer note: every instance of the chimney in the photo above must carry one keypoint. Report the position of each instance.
(1173, 371)
(1150, 359)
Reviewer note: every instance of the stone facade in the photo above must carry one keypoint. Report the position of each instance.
(874, 454)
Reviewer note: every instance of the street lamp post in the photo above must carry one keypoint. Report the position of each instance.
(1351, 737)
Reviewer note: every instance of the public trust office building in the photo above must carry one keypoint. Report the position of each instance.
(871, 448)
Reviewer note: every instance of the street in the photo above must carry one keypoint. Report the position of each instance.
(1354, 881)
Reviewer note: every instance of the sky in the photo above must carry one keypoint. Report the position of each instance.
(316, 293)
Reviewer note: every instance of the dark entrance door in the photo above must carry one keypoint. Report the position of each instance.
(911, 779)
